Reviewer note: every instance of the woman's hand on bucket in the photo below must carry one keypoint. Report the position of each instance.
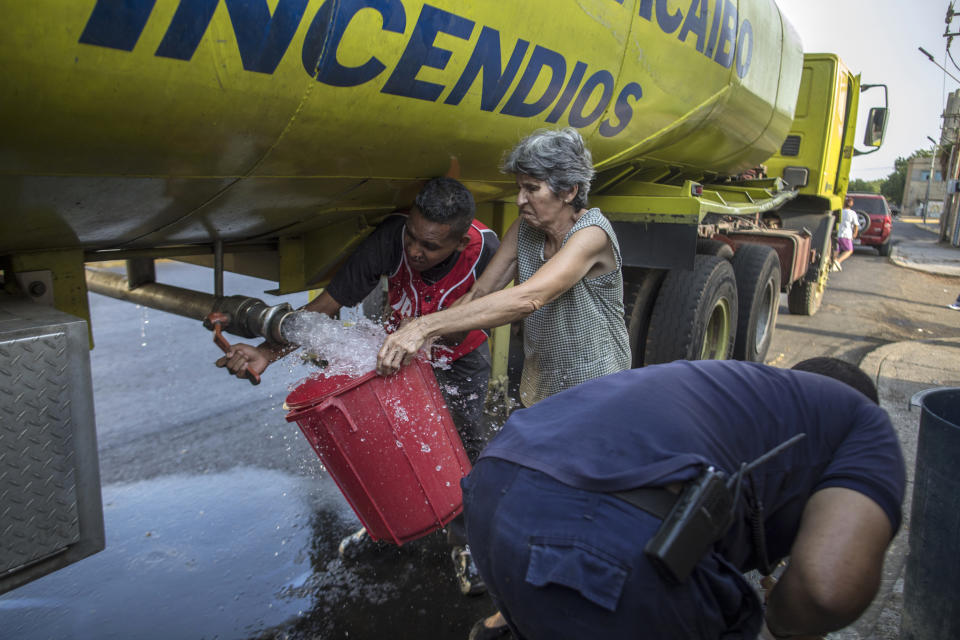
(401, 347)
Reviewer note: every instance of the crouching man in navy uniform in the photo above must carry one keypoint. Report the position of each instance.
(431, 257)
(573, 510)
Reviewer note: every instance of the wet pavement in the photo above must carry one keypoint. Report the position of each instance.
(220, 520)
(153, 570)
(242, 554)
(221, 523)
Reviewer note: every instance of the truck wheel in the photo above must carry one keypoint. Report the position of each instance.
(884, 249)
(695, 315)
(711, 247)
(640, 288)
(804, 297)
(757, 268)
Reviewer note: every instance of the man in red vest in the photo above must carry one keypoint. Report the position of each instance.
(430, 256)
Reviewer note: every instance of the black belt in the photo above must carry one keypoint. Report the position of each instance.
(657, 501)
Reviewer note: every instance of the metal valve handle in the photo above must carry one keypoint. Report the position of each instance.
(216, 320)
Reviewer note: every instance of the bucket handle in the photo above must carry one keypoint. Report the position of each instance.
(337, 404)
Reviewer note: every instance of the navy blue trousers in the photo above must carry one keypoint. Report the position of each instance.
(561, 562)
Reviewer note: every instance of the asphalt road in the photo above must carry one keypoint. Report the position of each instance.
(221, 523)
(872, 302)
(220, 520)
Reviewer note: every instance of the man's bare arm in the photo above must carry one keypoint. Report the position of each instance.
(575, 260)
(835, 565)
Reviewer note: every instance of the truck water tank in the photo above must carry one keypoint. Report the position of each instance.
(182, 119)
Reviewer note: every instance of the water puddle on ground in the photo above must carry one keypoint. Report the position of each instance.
(213, 556)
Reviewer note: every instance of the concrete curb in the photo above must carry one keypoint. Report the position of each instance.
(929, 256)
(918, 266)
(944, 265)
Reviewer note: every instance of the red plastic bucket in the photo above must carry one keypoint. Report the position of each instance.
(390, 445)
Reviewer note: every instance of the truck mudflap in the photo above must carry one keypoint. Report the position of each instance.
(792, 248)
(806, 294)
(51, 513)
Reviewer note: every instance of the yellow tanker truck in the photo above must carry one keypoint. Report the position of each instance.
(269, 137)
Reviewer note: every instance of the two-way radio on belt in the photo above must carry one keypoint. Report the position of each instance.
(702, 515)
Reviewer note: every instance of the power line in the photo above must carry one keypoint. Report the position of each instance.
(950, 55)
(948, 35)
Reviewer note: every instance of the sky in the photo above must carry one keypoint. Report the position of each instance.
(879, 39)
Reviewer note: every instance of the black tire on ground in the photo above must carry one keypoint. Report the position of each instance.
(640, 288)
(757, 269)
(804, 297)
(695, 314)
(884, 249)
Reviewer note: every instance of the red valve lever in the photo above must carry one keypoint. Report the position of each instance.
(217, 319)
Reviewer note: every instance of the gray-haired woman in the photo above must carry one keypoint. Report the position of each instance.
(566, 263)
(569, 289)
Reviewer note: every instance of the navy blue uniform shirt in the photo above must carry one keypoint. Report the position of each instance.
(664, 423)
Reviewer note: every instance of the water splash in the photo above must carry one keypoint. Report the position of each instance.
(341, 348)
(144, 321)
(399, 411)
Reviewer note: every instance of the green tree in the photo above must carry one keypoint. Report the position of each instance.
(864, 186)
(893, 186)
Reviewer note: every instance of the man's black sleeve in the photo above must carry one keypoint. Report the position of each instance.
(378, 255)
(490, 245)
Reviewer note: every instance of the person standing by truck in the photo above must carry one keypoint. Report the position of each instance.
(566, 262)
(430, 256)
(849, 229)
(569, 287)
(577, 511)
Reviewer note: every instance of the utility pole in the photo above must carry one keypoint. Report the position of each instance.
(933, 159)
(950, 135)
(949, 139)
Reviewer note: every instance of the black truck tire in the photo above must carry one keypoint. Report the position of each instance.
(711, 247)
(757, 269)
(640, 287)
(695, 314)
(884, 249)
(805, 296)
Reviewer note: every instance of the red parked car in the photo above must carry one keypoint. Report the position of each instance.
(876, 223)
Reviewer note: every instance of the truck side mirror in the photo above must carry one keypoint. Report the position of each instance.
(876, 126)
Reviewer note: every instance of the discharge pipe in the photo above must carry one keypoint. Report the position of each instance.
(245, 316)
